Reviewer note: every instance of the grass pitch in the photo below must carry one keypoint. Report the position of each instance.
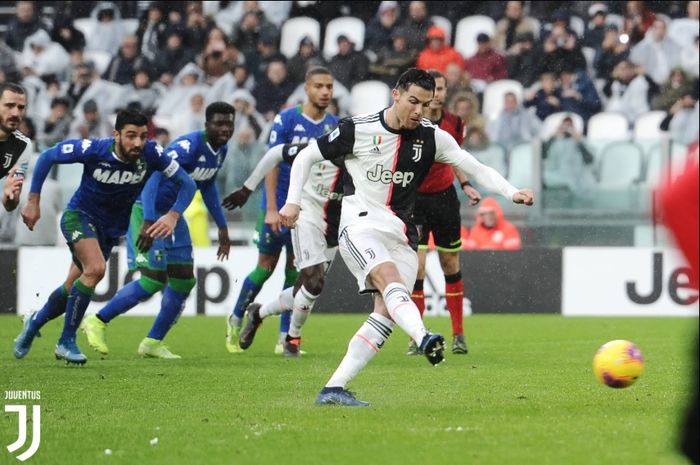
(525, 394)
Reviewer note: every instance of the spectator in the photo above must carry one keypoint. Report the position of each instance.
(89, 85)
(391, 62)
(487, 64)
(41, 56)
(547, 99)
(246, 115)
(57, 125)
(693, 10)
(477, 143)
(267, 52)
(244, 152)
(222, 88)
(67, 35)
(657, 53)
(677, 85)
(214, 62)
(236, 11)
(192, 118)
(466, 106)
(272, 91)
(511, 25)
(247, 34)
(306, 57)
(197, 27)
(578, 94)
(24, 24)
(8, 64)
(638, 19)
(523, 60)
(143, 90)
(567, 163)
(457, 81)
(416, 25)
(437, 55)
(492, 231)
(349, 66)
(151, 31)
(109, 31)
(91, 124)
(683, 119)
(379, 29)
(690, 59)
(613, 50)
(188, 82)
(162, 137)
(629, 91)
(514, 124)
(121, 68)
(562, 50)
(595, 32)
(173, 58)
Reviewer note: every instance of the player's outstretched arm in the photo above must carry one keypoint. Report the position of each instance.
(166, 223)
(210, 195)
(297, 178)
(270, 160)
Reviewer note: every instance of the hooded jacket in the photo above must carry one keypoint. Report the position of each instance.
(503, 236)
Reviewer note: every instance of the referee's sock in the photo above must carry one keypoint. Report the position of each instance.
(418, 296)
(454, 297)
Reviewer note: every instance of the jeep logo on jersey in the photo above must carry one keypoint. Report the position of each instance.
(386, 176)
(327, 193)
(203, 174)
(118, 176)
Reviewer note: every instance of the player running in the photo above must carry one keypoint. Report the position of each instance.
(13, 144)
(300, 124)
(115, 170)
(169, 260)
(437, 212)
(315, 241)
(387, 155)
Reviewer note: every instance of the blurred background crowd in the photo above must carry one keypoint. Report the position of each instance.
(588, 102)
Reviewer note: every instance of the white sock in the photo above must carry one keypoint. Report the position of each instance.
(403, 311)
(283, 302)
(362, 347)
(303, 303)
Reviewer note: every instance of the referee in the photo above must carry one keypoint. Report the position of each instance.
(13, 105)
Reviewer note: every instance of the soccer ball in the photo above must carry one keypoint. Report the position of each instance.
(618, 363)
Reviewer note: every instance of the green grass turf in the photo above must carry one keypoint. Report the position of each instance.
(525, 394)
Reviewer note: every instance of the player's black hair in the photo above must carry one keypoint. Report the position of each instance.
(436, 74)
(416, 76)
(222, 108)
(12, 87)
(125, 117)
(315, 71)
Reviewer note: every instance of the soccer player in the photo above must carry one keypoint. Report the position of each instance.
(315, 241)
(437, 212)
(386, 156)
(300, 124)
(201, 154)
(13, 144)
(115, 170)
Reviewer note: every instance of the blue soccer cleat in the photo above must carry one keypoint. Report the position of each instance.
(339, 396)
(23, 342)
(433, 346)
(68, 350)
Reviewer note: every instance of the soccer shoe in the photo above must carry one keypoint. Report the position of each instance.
(339, 396)
(459, 345)
(413, 348)
(94, 329)
(233, 332)
(433, 345)
(23, 342)
(279, 348)
(292, 346)
(68, 350)
(154, 348)
(251, 326)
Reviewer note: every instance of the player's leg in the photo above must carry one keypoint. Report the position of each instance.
(181, 281)
(310, 284)
(54, 307)
(290, 277)
(152, 266)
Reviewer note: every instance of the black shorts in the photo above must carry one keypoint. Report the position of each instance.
(439, 213)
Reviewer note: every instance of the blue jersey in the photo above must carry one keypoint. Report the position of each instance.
(109, 186)
(291, 126)
(197, 157)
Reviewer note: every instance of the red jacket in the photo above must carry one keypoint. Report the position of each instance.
(503, 236)
(489, 66)
(429, 59)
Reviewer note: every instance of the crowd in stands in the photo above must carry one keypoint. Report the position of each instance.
(174, 58)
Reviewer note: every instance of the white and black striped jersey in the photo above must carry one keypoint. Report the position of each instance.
(385, 167)
(11, 150)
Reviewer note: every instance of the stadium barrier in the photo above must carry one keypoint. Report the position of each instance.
(576, 281)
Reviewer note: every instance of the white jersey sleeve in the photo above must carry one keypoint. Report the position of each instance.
(272, 158)
(447, 151)
(300, 172)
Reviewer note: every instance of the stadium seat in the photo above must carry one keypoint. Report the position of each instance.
(86, 26)
(683, 31)
(466, 31)
(647, 125)
(130, 25)
(493, 96)
(620, 165)
(655, 164)
(369, 97)
(520, 161)
(444, 24)
(352, 27)
(608, 125)
(577, 25)
(99, 58)
(294, 29)
(553, 121)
